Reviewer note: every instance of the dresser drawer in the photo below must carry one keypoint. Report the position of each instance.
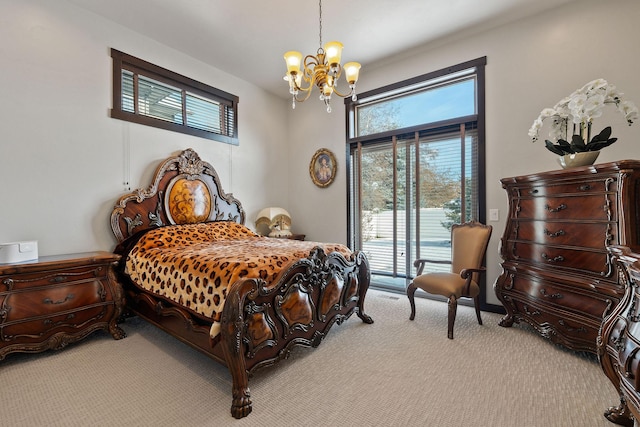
(37, 328)
(599, 184)
(595, 207)
(579, 333)
(582, 260)
(48, 300)
(582, 300)
(586, 235)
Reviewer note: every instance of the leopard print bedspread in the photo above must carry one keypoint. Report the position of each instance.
(194, 264)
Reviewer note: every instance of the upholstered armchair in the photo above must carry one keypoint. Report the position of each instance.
(469, 243)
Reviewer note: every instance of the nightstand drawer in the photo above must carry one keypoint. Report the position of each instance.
(17, 282)
(38, 328)
(53, 299)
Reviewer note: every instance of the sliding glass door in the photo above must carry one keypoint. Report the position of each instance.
(407, 192)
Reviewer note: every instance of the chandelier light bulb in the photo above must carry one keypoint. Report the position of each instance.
(351, 72)
(293, 60)
(333, 53)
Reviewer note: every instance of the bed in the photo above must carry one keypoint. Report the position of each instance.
(191, 267)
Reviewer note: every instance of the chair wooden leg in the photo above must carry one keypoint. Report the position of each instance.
(453, 308)
(411, 290)
(476, 302)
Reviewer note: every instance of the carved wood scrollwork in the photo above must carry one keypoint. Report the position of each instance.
(525, 308)
(618, 342)
(633, 315)
(190, 163)
(5, 308)
(132, 223)
(517, 209)
(155, 218)
(508, 284)
(607, 310)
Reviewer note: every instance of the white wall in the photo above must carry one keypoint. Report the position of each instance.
(531, 64)
(62, 156)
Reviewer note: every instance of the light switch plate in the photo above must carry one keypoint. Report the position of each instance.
(494, 214)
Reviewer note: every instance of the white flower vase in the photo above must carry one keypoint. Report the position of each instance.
(578, 159)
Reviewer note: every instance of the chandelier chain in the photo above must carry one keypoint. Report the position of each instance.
(320, 19)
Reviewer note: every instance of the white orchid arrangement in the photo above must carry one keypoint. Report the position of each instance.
(578, 110)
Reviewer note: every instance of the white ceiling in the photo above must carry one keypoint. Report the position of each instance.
(247, 38)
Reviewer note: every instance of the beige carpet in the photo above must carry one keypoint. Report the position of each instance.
(392, 373)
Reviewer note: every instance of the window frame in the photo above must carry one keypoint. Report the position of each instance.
(353, 142)
(350, 122)
(122, 61)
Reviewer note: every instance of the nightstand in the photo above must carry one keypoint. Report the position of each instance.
(56, 300)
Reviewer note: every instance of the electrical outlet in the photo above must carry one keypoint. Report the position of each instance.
(494, 214)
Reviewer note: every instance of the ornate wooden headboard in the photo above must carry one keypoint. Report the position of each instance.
(184, 190)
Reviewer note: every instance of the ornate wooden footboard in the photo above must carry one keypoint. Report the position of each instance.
(261, 322)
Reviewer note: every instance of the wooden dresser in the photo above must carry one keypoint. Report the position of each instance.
(56, 300)
(557, 274)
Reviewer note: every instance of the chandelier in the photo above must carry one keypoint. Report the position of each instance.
(322, 71)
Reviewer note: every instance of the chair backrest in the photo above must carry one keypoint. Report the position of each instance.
(469, 243)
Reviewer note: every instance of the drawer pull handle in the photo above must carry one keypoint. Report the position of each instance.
(50, 323)
(585, 187)
(580, 329)
(558, 209)
(62, 301)
(58, 279)
(546, 257)
(555, 234)
(548, 295)
(534, 191)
